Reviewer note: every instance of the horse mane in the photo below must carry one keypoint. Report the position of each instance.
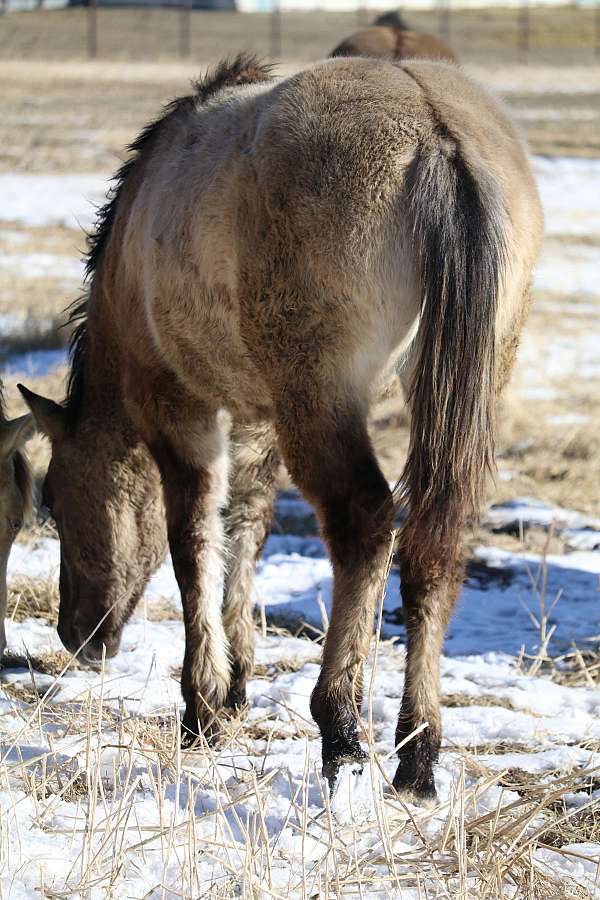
(244, 69)
(392, 19)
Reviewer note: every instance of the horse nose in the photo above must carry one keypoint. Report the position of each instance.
(66, 633)
(97, 647)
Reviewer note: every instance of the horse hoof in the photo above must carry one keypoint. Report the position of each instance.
(236, 699)
(194, 738)
(420, 792)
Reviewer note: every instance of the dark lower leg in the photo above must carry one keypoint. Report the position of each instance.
(428, 597)
(248, 519)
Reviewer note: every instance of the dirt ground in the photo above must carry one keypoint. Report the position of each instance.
(61, 114)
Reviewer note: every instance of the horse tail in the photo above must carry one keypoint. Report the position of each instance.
(459, 223)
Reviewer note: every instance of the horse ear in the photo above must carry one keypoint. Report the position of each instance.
(48, 415)
(14, 434)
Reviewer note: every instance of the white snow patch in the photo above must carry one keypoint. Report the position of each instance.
(357, 791)
(41, 265)
(69, 200)
(569, 192)
(570, 269)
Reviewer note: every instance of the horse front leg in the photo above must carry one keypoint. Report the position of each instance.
(255, 465)
(194, 479)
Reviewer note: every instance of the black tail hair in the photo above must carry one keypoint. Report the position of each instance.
(459, 226)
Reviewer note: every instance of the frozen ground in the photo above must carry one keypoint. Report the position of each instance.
(115, 804)
(96, 800)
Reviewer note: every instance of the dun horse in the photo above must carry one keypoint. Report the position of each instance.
(273, 250)
(15, 493)
(390, 38)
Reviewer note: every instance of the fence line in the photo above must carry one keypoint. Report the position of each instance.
(444, 9)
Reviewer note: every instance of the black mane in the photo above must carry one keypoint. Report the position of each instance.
(244, 69)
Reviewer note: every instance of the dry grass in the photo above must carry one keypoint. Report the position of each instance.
(160, 609)
(35, 598)
(463, 700)
(459, 848)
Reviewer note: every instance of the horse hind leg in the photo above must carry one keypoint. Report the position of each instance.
(430, 587)
(330, 458)
(253, 482)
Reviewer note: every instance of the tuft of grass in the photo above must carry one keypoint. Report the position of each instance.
(463, 700)
(35, 598)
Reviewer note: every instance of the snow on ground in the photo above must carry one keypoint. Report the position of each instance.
(55, 199)
(260, 798)
(494, 614)
(569, 270)
(254, 810)
(41, 265)
(568, 188)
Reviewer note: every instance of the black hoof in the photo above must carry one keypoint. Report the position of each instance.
(236, 699)
(418, 787)
(192, 737)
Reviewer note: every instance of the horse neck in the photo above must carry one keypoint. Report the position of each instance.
(102, 374)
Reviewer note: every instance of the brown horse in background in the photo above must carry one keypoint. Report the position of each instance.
(272, 252)
(390, 38)
(16, 493)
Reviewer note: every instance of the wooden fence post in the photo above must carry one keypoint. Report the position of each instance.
(185, 28)
(275, 30)
(92, 28)
(444, 20)
(524, 29)
(361, 13)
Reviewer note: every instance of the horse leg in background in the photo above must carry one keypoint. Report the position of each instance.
(331, 460)
(253, 483)
(193, 464)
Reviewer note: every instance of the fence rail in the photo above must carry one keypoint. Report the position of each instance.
(523, 31)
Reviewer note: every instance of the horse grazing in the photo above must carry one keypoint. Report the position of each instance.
(16, 493)
(390, 38)
(273, 250)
